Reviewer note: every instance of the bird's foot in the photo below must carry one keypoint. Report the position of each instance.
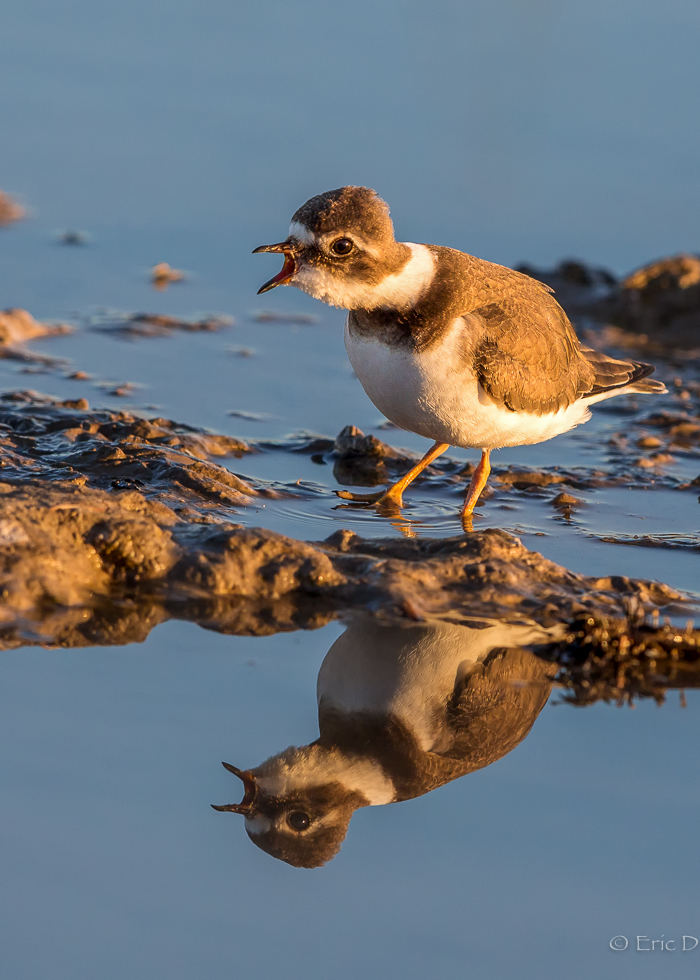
(383, 499)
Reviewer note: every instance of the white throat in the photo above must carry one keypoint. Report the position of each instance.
(297, 769)
(400, 290)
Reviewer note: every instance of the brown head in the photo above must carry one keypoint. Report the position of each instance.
(341, 249)
(295, 810)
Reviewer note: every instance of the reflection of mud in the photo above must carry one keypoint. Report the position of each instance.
(620, 660)
(681, 542)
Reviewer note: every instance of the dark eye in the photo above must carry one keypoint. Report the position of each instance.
(342, 247)
(298, 820)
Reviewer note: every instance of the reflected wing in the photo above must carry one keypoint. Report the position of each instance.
(496, 705)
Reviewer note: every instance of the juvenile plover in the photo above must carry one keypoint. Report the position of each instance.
(459, 350)
(402, 710)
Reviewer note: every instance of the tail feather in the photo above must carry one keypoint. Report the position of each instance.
(612, 374)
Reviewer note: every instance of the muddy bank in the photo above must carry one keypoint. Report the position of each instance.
(10, 211)
(657, 306)
(111, 523)
(364, 460)
(43, 441)
(139, 325)
(17, 327)
(67, 546)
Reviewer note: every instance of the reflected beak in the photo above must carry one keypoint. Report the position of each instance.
(288, 269)
(250, 786)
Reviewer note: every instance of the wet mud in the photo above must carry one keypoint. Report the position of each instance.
(137, 325)
(17, 327)
(108, 513)
(655, 307)
(10, 210)
(113, 522)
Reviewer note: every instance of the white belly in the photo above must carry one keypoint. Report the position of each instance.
(435, 394)
(409, 671)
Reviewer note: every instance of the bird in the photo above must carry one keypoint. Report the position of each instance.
(403, 708)
(457, 349)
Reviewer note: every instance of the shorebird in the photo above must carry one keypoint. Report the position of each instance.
(402, 710)
(457, 349)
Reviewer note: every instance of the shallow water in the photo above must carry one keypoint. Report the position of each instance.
(529, 867)
(173, 133)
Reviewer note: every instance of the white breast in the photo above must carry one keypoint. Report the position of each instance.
(435, 394)
(409, 671)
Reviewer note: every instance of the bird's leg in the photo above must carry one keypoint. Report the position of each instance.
(481, 475)
(394, 495)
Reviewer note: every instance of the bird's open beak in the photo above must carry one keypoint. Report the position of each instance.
(288, 269)
(246, 804)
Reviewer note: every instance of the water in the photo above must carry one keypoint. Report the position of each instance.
(115, 865)
(189, 134)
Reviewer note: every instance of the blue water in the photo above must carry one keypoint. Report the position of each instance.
(114, 864)
(189, 133)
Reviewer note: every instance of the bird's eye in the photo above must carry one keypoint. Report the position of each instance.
(343, 246)
(298, 820)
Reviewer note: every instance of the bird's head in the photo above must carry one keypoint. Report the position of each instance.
(341, 249)
(295, 807)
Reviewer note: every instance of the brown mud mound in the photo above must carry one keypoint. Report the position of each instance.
(136, 325)
(662, 302)
(17, 327)
(64, 544)
(580, 288)
(110, 522)
(656, 306)
(10, 210)
(42, 440)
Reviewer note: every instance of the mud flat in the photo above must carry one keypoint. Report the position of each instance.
(656, 306)
(110, 523)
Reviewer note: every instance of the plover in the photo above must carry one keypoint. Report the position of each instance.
(402, 710)
(457, 349)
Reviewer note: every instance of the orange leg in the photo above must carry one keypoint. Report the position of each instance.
(481, 475)
(394, 495)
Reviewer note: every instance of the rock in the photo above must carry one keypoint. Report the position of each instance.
(360, 460)
(10, 210)
(136, 325)
(580, 288)
(565, 501)
(658, 459)
(162, 275)
(662, 301)
(528, 479)
(18, 326)
(72, 238)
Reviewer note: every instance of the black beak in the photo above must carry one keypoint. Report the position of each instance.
(288, 269)
(246, 804)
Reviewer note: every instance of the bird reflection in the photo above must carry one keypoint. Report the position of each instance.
(402, 710)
